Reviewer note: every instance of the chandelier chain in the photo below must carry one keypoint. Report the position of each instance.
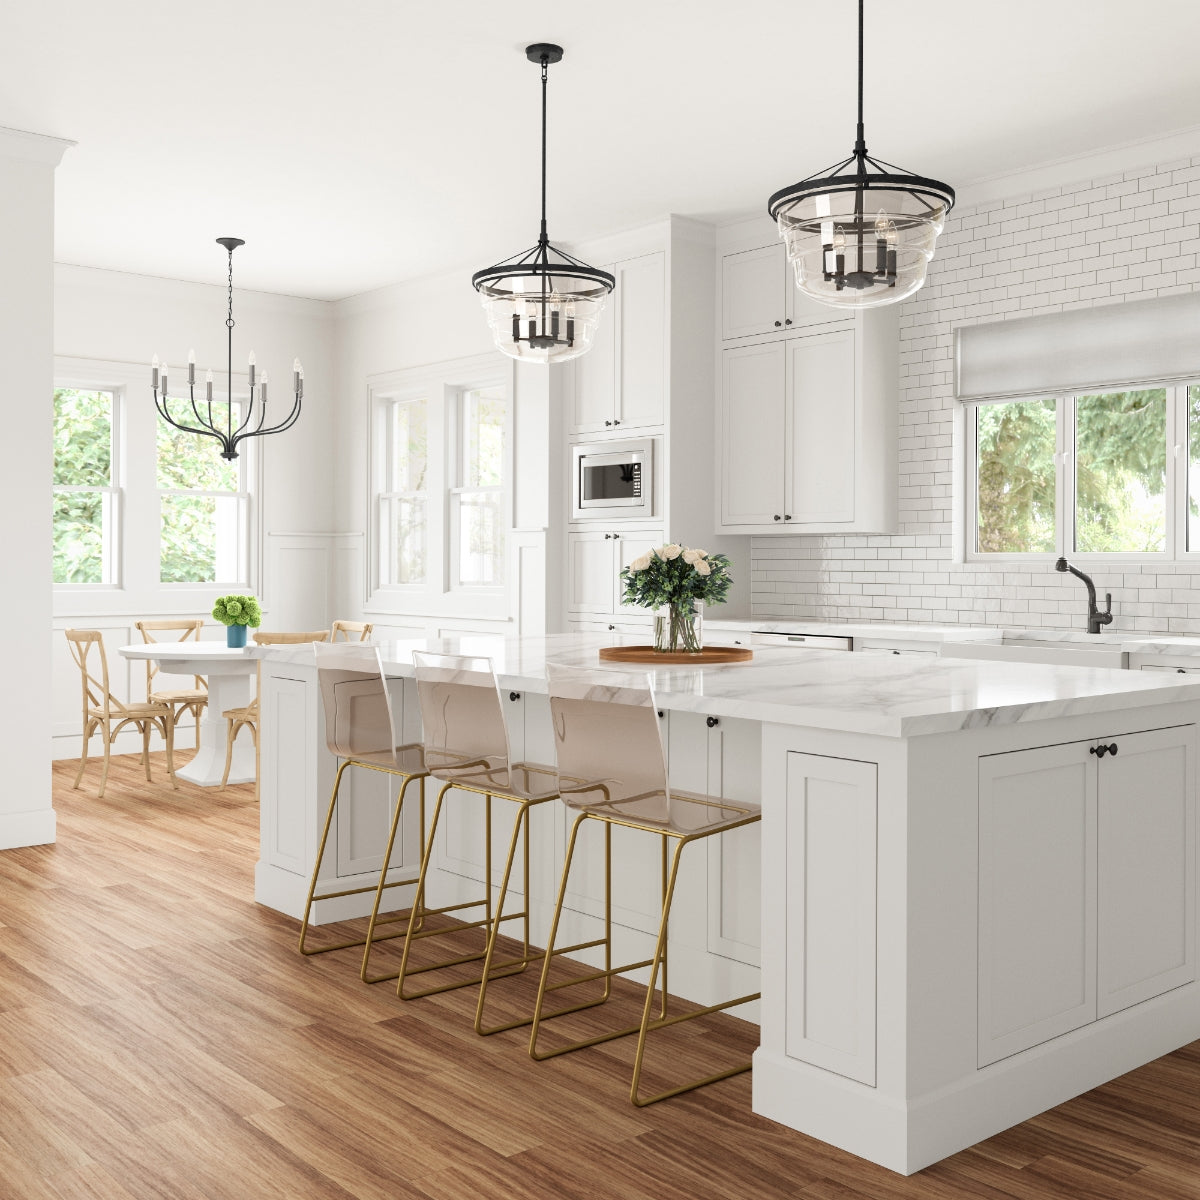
(545, 78)
(229, 318)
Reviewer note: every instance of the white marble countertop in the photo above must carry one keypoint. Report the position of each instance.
(885, 695)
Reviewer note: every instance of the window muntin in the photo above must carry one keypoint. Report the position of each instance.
(85, 496)
(477, 503)
(203, 506)
(403, 503)
(1015, 471)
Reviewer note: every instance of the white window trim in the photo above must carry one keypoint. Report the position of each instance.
(136, 588)
(1175, 490)
(441, 384)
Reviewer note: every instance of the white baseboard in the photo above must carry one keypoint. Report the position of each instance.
(35, 828)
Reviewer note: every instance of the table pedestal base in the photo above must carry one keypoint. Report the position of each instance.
(224, 692)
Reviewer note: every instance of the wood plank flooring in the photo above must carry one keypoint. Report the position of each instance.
(161, 1038)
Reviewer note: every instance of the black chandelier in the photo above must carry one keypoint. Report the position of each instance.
(861, 233)
(543, 305)
(206, 425)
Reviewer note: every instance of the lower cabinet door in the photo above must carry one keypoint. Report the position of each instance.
(1147, 879)
(1037, 897)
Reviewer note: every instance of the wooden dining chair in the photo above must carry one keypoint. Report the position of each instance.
(246, 717)
(346, 628)
(103, 713)
(181, 700)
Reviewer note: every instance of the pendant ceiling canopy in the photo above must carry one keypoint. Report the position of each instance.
(861, 233)
(543, 305)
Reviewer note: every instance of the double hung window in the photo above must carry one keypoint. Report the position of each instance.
(86, 498)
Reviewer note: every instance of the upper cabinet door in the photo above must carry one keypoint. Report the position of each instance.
(753, 292)
(752, 434)
(821, 428)
(642, 341)
(595, 404)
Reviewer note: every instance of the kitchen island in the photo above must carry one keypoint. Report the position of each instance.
(973, 897)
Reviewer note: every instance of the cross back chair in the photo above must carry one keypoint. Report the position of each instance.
(466, 748)
(612, 770)
(181, 700)
(105, 714)
(341, 631)
(360, 730)
(246, 717)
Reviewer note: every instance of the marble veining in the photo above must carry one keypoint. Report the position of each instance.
(893, 696)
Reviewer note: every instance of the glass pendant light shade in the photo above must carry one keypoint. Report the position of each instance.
(861, 240)
(860, 234)
(544, 305)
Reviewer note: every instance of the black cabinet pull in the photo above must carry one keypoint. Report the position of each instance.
(778, 517)
(1101, 750)
(514, 695)
(612, 627)
(607, 536)
(608, 422)
(778, 324)
(661, 714)
(788, 321)
(711, 722)
(1181, 670)
(787, 516)
(616, 422)
(616, 537)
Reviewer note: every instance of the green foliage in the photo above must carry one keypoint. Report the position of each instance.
(82, 459)
(238, 610)
(674, 574)
(1120, 474)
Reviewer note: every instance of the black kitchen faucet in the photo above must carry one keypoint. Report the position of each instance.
(1096, 618)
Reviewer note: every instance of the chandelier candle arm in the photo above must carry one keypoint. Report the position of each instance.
(205, 425)
(840, 254)
(543, 305)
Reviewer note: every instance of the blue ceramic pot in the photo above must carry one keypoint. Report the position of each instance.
(235, 636)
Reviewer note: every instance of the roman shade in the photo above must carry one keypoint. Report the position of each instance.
(1137, 342)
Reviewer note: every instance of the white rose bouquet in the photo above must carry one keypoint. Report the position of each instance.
(674, 577)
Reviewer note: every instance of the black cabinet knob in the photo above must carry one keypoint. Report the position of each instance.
(661, 714)
(712, 722)
(616, 422)
(616, 537)
(778, 517)
(514, 695)
(1101, 750)
(608, 422)
(778, 324)
(1180, 670)
(607, 536)
(787, 516)
(612, 627)
(788, 321)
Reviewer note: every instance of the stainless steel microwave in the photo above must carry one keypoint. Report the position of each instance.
(613, 480)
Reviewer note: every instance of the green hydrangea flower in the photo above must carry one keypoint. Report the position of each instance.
(238, 610)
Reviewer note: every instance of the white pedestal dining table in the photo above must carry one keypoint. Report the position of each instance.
(228, 672)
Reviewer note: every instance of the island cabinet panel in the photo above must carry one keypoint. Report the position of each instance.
(1146, 882)
(288, 740)
(1037, 910)
(832, 855)
(1087, 883)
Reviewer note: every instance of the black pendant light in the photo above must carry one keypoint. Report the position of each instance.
(543, 305)
(861, 233)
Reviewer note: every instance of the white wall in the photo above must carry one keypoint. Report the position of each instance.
(27, 167)
(1123, 237)
(125, 319)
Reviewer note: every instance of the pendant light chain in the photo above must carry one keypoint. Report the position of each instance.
(545, 77)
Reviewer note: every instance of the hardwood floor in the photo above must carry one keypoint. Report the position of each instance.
(160, 1037)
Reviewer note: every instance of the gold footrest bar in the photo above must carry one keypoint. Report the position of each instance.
(578, 979)
(663, 1022)
(642, 1102)
(308, 953)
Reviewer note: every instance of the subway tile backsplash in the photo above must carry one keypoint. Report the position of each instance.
(1124, 237)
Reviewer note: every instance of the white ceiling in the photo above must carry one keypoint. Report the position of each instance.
(358, 144)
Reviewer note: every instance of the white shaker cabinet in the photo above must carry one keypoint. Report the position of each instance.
(1086, 883)
(595, 559)
(759, 295)
(621, 382)
(807, 432)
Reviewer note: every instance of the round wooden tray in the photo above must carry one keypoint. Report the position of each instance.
(648, 656)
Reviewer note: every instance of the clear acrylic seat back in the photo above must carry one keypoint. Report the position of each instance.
(358, 708)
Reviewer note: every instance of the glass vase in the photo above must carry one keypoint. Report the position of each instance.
(679, 628)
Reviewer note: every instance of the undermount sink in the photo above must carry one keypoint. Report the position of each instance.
(1062, 647)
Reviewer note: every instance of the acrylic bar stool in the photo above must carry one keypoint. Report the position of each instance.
(360, 730)
(612, 770)
(466, 748)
